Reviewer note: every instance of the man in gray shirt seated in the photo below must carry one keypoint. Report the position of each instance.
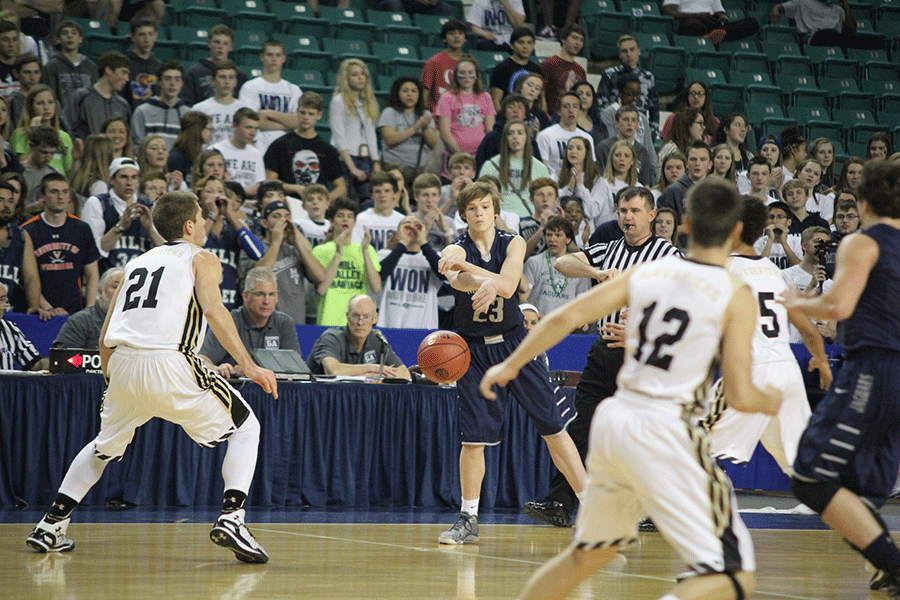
(258, 323)
(82, 330)
(355, 349)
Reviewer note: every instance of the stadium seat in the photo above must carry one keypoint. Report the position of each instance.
(661, 24)
(863, 56)
(880, 71)
(430, 27)
(251, 15)
(604, 28)
(194, 41)
(340, 50)
(249, 43)
(650, 41)
(299, 18)
(347, 24)
(487, 60)
(201, 14)
(805, 114)
(832, 130)
(639, 8)
(792, 64)
(667, 66)
(595, 7)
(309, 81)
(707, 76)
(778, 33)
(750, 62)
(808, 97)
(774, 49)
(726, 98)
(748, 79)
(395, 28)
(390, 56)
(763, 97)
(744, 45)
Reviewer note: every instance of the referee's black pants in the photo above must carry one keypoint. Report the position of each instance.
(598, 382)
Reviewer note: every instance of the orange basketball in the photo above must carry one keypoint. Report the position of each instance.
(443, 356)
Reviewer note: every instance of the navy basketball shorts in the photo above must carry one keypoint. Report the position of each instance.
(480, 419)
(853, 437)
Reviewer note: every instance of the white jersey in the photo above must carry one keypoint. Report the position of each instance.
(771, 338)
(221, 115)
(156, 307)
(243, 165)
(674, 329)
(381, 228)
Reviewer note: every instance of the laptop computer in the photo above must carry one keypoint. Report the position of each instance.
(74, 360)
(287, 365)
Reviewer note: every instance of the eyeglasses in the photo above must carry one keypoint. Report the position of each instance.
(261, 295)
(837, 217)
(359, 318)
(697, 94)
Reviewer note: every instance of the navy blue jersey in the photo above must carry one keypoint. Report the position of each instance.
(226, 246)
(876, 322)
(133, 242)
(62, 253)
(11, 263)
(504, 314)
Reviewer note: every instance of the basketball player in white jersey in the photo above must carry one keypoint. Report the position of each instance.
(734, 435)
(148, 354)
(648, 455)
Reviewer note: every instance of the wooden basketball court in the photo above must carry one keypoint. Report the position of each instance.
(384, 561)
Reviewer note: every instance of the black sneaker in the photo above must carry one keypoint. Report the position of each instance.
(50, 537)
(230, 532)
(647, 526)
(880, 580)
(549, 511)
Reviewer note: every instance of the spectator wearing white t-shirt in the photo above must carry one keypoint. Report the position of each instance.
(222, 106)
(243, 162)
(382, 220)
(274, 98)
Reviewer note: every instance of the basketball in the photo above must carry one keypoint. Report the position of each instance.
(443, 356)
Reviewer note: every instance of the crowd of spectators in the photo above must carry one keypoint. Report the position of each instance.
(91, 141)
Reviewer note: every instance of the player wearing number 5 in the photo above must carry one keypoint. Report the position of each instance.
(484, 267)
(648, 455)
(148, 351)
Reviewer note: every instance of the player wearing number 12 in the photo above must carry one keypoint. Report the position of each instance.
(148, 348)
(648, 455)
(484, 267)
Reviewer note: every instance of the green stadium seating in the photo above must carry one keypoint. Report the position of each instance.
(347, 24)
(595, 7)
(667, 66)
(750, 62)
(340, 50)
(726, 98)
(299, 18)
(655, 24)
(430, 26)
(196, 13)
(394, 28)
(604, 29)
(707, 76)
(390, 56)
(251, 15)
(778, 33)
(748, 79)
(744, 45)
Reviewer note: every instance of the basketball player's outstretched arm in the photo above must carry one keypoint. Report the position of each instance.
(207, 273)
(576, 265)
(813, 341)
(856, 257)
(602, 300)
(737, 358)
(466, 277)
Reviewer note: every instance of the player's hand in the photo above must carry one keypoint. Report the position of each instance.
(790, 298)
(451, 263)
(825, 375)
(602, 276)
(226, 371)
(265, 378)
(613, 334)
(497, 375)
(484, 296)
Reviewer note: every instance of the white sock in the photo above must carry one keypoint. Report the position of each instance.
(240, 457)
(83, 473)
(470, 506)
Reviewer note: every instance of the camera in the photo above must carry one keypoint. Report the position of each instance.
(826, 253)
(221, 202)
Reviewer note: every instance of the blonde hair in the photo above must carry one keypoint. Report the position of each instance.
(350, 97)
(142, 152)
(28, 108)
(730, 174)
(610, 175)
(93, 164)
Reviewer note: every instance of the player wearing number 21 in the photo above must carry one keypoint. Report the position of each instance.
(148, 348)
(648, 455)
(484, 267)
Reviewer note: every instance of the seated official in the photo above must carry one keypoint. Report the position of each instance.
(258, 324)
(82, 330)
(15, 349)
(355, 349)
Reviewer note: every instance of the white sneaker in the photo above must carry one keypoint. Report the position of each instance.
(50, 537)
(464, 531)
(230, 532)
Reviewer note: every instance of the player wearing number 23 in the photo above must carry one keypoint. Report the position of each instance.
(484, 267)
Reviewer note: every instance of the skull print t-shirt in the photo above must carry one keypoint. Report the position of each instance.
(303, 161)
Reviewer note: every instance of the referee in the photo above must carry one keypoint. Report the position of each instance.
(14, 346)
(635, 207)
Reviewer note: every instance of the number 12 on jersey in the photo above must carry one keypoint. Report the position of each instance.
(657, 357)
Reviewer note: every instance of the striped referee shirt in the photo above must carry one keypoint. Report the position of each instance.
(15, 348)
(621, 255)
